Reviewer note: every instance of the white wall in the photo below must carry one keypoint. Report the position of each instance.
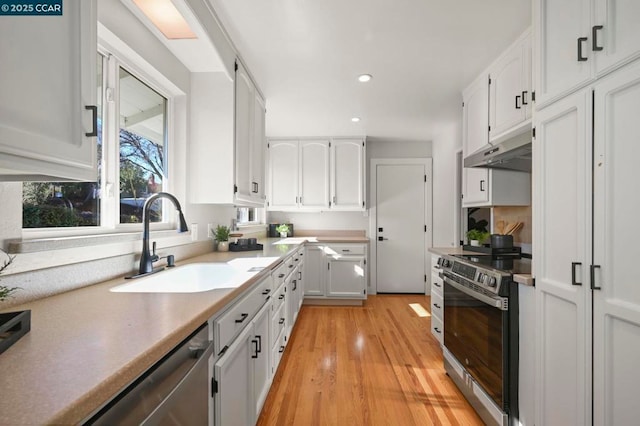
(447, 141)
(376, 148)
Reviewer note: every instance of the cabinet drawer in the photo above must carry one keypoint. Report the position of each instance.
(346, 249)
(437, 307)
(279, 274)
(278, 297)
(277, 351)
(277, 323)
(437, 329)
(436, 285)
(234, 319)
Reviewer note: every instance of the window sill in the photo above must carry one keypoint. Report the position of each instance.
(70, 242)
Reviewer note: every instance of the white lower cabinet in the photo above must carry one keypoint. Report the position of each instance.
(437, 301)
(345, 277)
(336, 271)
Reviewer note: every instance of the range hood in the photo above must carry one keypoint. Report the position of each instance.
(513, 154)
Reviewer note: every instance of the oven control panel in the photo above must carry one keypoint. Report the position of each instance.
(472, 275)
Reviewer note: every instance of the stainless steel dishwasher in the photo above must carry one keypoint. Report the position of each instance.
(175, 391)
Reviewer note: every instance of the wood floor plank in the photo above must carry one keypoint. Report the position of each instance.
(372, 365)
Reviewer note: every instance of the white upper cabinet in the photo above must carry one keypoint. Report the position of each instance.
(48, 113)
(347, 174)
(572, 47)
(283, 174)
(475, 115)
(615, 33)
(510, 88)
(249, 140)
(226, 163)
(316, 174)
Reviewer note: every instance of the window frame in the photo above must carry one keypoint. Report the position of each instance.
(109, 209)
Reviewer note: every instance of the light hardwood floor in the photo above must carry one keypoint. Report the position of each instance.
(371, 365)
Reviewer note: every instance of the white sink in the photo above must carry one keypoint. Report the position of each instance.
(191, 278)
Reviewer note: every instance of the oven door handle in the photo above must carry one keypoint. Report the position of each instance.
(497, 302)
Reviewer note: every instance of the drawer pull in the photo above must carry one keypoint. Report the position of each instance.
(437, 306)
(281, 349)
(281, 297)
(267, 291)
(242, 318)
(281, 321)
(280, 275)
(437, 330)
(436, 284)
(295, 260)
(255, 349)
(290, 266)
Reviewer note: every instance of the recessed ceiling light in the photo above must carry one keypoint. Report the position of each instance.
(166, 18)
(364, 78)
(355, 119)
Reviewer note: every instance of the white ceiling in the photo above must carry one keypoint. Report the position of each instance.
(306, 55)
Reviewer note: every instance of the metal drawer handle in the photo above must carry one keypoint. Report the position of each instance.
(281, 321)
(281, 297)
(573, 273)
(267, 291)
(281, 349)
(524, 97)
(517, 104)
(581, 41)
(94, 119)
(436, 284)
(255, 349)
(242, 318)
(437, 330)
(593, 277)
(437, 306)
(594, 38)
(280, 275)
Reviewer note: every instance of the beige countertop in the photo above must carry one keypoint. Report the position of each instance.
(88, 344)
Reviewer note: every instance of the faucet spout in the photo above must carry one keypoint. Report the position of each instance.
(146, 259)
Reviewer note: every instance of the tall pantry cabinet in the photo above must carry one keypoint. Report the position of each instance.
(585, 150)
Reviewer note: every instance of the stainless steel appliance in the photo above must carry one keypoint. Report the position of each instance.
(513, 154)
(175, 391)
(481, 331)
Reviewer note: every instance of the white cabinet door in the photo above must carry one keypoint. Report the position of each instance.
(561, 201)
(347, 174)
(619, 34)
(244, 103)
(314, 270)
(258, 146)
(475, 116)
(261, 354)
(563, 33)
(48, 81)
(616, 316)
(233, 402)
(510, 90)
(283, 174)
(475, 186)
(346, 277)
(314, 174)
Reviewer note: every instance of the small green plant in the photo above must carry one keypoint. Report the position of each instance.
(6, 292)
(221, 233)
(476, 234)
(283, 228)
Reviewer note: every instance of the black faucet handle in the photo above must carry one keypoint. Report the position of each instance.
(171, 261)
(154, 256)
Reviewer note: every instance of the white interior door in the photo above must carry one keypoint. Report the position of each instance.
(400, 228)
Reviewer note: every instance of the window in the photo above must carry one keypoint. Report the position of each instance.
(131, 152)
(249, 216)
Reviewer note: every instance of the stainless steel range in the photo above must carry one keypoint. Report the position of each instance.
(481, 331)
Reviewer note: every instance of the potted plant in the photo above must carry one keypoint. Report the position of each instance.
(476, 236)
(221, 235)
(13, 325)
(283, 229)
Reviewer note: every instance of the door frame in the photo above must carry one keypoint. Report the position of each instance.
(428, 215)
